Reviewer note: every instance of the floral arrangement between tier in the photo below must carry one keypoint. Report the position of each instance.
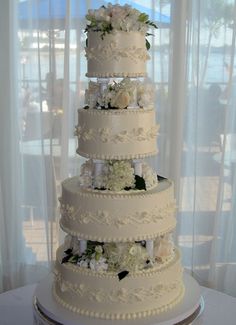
(120, 258)
(118, 18)
(117, 175)
(120, 95)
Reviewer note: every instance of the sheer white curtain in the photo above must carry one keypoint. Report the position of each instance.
(44, 67)
(203, 107)
(40, 91)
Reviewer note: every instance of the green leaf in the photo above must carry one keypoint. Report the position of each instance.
(68, 251)
(97, 256)
(66, 258)
(86, 42)
(161, 178)
(143, 17)
(153, 24)
(74, 259)
(122, 274)
(148, 45)
(140, 183)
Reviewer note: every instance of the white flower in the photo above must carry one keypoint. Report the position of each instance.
(83, 263)
(163, 248)
(98, 249)
(149, 176)
(120, 175)
(118, 94)
(99, 265)
(145, 94)
(133, 250)
(125, 256)
(121, 99)
(115, 176)
(116, 17)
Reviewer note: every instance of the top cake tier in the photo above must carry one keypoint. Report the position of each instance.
(119, 54)
(116, 43)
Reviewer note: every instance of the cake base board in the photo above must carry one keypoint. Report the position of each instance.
(48, 312)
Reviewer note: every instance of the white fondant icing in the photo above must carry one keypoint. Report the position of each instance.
(103, 295)
(96, 215)
(119, 54)
(111, 217)
(116, 134)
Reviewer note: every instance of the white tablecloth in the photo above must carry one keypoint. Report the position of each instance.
(16, 308)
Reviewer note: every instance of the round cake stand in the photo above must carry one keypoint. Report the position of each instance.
(48, 312)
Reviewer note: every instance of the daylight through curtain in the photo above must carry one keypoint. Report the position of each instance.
(193, 68)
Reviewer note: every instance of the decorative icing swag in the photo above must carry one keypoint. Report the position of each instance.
(113, 52)
(121, 295)
(105, 134)
(104, 218)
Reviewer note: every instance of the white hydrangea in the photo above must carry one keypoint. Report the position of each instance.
(86, 173)
(115, 176)
(125, 256)
(120, 175)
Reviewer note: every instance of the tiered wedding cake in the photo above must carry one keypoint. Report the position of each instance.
(118, 260)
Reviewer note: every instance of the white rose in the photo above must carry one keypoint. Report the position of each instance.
(121, 99)
(164, 249)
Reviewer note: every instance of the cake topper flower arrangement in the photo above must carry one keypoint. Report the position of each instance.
(118, 18)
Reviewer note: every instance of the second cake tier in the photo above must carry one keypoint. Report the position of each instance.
(116, 134)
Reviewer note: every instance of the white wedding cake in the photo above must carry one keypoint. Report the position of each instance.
(118, 260)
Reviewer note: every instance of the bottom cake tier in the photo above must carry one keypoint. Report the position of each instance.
(103, 295)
